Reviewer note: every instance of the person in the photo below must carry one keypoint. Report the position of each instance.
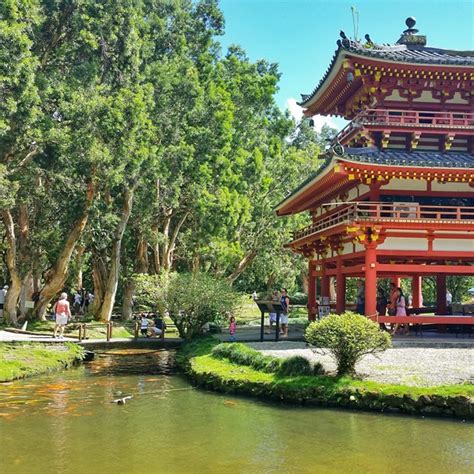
(381, 305)
(449, 298)
(232, 329)
(77, 302)
(273, 316)
(3, 294)
(159, 327)
(360, 301)
(285, 304)
(62, 313)
(254, 296)
(400, 311)
(392, 307)
(144, 325)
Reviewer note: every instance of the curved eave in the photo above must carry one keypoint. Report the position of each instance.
(342, 54)
(307, 189)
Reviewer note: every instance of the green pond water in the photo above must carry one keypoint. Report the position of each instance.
(66, 423)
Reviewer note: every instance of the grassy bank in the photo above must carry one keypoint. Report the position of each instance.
(216, 373)
(18, 360)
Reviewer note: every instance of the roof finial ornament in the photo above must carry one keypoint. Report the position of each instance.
(410, 22)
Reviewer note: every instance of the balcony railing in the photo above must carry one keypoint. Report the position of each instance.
(374, 212)
(408, 118)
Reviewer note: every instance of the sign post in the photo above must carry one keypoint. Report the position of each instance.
(269, 307)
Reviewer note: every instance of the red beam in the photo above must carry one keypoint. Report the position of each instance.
(425, 269)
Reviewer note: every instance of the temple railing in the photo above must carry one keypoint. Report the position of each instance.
(408, 118)
(377, 212)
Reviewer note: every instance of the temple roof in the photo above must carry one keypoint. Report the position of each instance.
(410, 49)
(397, 158)
(423, 159)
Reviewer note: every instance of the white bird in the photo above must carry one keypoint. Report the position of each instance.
(122, 401)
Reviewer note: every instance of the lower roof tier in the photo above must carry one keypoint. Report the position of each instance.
(344, 169)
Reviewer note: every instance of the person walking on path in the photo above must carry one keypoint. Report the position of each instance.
(62, 313)
(232, 329)
(285, 304)
(3, 294)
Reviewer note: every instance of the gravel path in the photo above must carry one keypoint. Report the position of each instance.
(407, 366)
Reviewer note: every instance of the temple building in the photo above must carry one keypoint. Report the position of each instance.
(394, 196)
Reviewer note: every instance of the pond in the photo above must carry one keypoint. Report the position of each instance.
(67, 423)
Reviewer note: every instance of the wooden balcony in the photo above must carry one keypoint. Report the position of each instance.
(382, 119)
(399, 215)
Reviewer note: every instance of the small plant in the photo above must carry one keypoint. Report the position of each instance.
(243, 355)
(295, 365)
(348, 337)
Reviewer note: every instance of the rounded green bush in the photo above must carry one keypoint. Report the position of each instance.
(295, 365)
(347, 337)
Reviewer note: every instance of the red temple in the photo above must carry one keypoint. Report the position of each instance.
(395, 194)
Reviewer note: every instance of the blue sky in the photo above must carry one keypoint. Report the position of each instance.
(301, 35)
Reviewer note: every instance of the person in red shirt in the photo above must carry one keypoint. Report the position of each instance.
(62, 313)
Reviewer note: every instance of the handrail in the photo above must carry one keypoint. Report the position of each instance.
(408, 118)
(388, 212)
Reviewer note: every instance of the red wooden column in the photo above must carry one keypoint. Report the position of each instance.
(311, 292)
(441, 294)
(324, 280)
(340, 288)
(416, 287)
(370, 279)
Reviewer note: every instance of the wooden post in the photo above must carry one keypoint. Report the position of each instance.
(109, 331)
(262, 323)
(340, 288)
(441, 294)
(277, 330)
(135, 333)
(311, 293)
(416, 291)
(370, 279)
(324, 281)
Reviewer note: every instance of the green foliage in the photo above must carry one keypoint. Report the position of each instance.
(298, 365)
(194, 299)
(241, 354)
(348, 337)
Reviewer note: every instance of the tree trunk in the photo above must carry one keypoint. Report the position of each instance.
(112, 281)
(127, 304)
(168, 254)
(242, 266)
(79, 260)
(11, 299)
(99, 277)
(56, 276)
(26, 293)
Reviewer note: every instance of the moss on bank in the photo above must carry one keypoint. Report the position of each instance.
(18, 360)
(220, 374)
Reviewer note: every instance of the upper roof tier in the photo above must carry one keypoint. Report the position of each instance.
(365, 74)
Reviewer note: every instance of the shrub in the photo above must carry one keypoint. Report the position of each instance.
(199, 298)
(348, 337)
(243, 355)
(295, 365)
(299, 299)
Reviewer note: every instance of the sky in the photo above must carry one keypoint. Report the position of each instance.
(301, 35)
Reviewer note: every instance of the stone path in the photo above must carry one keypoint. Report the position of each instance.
(403, 365)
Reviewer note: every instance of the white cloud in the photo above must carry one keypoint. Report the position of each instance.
(319, 120)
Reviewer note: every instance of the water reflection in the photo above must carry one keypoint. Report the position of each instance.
(66, 423)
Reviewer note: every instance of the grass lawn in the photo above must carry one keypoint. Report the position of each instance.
(25, 359)
(223, 375)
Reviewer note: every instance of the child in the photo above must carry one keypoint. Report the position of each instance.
(232, 329)
(144, 325)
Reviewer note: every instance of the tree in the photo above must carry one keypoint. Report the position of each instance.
(348, 337)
